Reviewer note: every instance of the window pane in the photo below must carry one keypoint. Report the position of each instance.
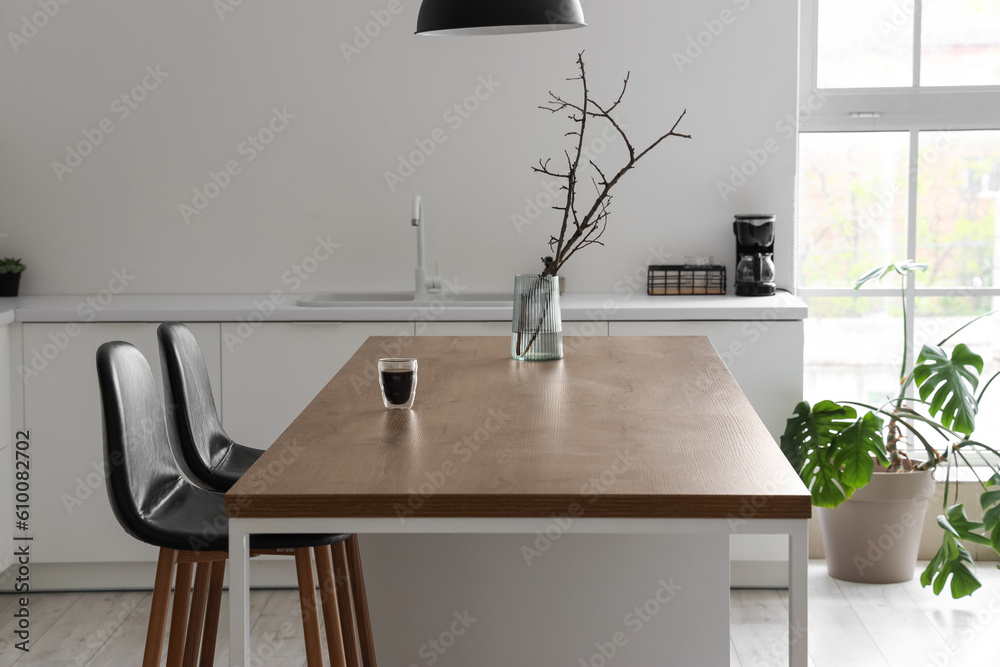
(865, 44)
(958, 208)
(853, 349)
(852, 204)
(937, 318)
(960, 43)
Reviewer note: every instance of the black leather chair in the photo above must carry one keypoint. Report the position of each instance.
(216, 461)
(155, 503)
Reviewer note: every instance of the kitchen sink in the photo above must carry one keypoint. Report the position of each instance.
(342, 299)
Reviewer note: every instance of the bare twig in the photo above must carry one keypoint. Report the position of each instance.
(588, 229)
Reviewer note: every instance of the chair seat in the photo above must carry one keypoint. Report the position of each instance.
(237, 461)
(190, 518)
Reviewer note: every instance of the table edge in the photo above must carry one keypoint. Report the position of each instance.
(790, 506)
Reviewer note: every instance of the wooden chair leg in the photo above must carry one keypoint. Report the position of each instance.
(158, 609)
(360, 597)
(213, 606)
(307, 602)
(179, 614)
(343, 580)
(328, 596)
(196, 617)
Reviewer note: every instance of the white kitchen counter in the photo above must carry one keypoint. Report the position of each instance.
(280, 307)
(7, 306)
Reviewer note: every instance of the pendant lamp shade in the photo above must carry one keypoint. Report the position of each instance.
(497, 17)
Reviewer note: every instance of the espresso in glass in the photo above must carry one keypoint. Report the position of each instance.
(398, 381)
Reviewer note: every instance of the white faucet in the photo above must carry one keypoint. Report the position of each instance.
(423, 282)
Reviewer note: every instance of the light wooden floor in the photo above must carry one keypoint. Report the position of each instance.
(899, 625)
(864, 625)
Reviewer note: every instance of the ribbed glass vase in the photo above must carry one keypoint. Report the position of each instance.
(536, 330)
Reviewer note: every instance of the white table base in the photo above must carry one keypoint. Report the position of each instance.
(240, 529)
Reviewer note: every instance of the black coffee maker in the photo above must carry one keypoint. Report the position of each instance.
(754, 255)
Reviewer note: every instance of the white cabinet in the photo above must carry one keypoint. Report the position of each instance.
(765, 357)
(7, 520)
(7, 440)
(71, 516)
(272, 372)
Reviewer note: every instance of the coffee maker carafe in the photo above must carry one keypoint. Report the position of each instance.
(754, 255)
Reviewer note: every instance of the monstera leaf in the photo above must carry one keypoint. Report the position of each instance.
(952, 559)
(949, 385)
(854, 448)
(822, 477)
(827, 444)
(990, 502)
(813, 428)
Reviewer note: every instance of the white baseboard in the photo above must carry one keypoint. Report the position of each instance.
(758, 574)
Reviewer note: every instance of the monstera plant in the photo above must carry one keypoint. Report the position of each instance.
(835, 450)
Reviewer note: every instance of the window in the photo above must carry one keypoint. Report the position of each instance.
(899, 157)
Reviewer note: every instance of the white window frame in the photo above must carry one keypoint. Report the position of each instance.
(873, 109)
(913, 109)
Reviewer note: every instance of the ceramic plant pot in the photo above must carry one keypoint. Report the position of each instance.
(873, 537)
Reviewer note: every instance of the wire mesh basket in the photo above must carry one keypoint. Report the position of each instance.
(680, 279)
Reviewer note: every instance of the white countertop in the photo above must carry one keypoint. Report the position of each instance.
(280, 307)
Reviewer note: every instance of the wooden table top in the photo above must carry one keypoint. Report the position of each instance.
(621, 427)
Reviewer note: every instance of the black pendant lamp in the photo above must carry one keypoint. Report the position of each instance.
(497, 17)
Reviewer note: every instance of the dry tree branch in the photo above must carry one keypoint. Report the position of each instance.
(543, 168)
(588, 229)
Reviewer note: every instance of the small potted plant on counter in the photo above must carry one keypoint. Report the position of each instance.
(872, 496)
(11, 269)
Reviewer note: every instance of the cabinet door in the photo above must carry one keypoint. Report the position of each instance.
(7, 440)
(7, 482)
(765, 357)
(71, 517)
(272, 372)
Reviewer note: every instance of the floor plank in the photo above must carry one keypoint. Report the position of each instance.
(259, 599)
(896, 624)
(760, 644)
(128, 640)
(44, 610)
(84, 628)
(752, 606)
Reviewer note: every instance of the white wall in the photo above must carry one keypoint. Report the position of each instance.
(324, 174)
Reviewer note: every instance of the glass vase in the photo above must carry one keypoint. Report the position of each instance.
(536, 330)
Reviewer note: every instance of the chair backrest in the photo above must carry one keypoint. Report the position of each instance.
(191, 412)
(140, 465)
